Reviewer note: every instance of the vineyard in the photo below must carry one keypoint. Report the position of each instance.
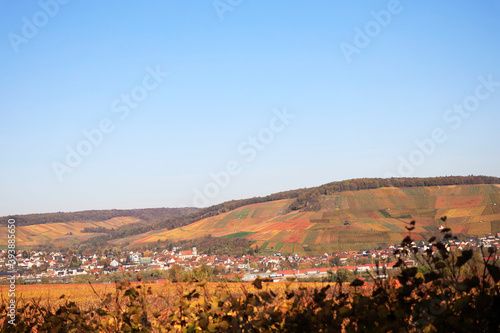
(89, 296)
(61, 234)
(350, 220)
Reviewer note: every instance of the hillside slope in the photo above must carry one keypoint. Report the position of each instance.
(145, 214)
(61, 234)
(305, 198)
(350, 220)
(70, 229)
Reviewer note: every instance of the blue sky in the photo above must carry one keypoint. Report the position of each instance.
(232, 66)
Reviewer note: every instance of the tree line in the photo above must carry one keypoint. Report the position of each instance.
(147, 215)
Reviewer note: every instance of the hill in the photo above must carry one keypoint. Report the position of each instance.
(349, 220)
(143, 226)
(147, 215)
(69, 229)
(63, 234)
(305, 198)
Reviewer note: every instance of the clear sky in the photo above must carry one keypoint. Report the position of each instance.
(260, 97)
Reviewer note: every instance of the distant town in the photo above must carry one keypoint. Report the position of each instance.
(55, 267)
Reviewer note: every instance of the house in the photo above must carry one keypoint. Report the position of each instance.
(188, 254)
(114, 263)
(343, 257)
(134, 258)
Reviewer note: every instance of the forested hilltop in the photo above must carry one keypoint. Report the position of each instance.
(147, 215)
(306, 196)
(305, 199)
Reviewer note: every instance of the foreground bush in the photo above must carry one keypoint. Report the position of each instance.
(442, 299)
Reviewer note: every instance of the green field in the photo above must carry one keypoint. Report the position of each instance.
(240, 234)
(242, 213)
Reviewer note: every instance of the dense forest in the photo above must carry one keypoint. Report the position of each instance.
(206, 245)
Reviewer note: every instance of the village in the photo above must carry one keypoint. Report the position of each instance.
(56, 267)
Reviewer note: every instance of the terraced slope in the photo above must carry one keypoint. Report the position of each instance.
(60, 234)
(351, 220)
